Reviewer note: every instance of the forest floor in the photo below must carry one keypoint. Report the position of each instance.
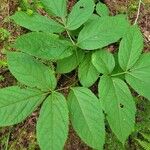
(22, 136)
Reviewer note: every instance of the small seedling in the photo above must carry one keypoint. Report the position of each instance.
(4, 34)
(2, 78)
(84, 51)
(3, 63)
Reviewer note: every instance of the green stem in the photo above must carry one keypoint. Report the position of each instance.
(7, 142)
(138, 12)
(67, 87)
(117, 74)
(76, 53)
(64, 23)
(70, 37)
(64, 88)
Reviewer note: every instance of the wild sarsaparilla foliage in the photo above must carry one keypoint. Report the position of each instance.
(76, 41)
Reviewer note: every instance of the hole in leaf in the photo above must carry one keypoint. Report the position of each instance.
(81, 7)
(121, 105)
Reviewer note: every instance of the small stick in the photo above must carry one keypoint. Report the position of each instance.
(138, 12)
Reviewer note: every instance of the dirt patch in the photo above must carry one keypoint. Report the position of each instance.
(130, 7)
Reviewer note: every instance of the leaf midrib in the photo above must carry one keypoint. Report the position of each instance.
(83, 114)
(117, 107)
(25, 99)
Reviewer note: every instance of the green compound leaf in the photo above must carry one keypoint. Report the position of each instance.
(130, 48)
(102, 9)
(53, 122)
(44, 45)
(103, 61)
(118, 70)
(30, 71)
(68, 64)
(87, 117)
(37, 22)
(80, 13)
(58, 8)
(146, 136)
(139, 76)
(87, 73)
(118, 105)
(16, 104)
(144, 144)
(102, 32)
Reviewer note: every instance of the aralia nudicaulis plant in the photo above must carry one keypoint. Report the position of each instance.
(76, 40)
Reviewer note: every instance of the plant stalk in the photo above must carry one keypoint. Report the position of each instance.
(70, 37)
(117, 74)
(138, 12)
